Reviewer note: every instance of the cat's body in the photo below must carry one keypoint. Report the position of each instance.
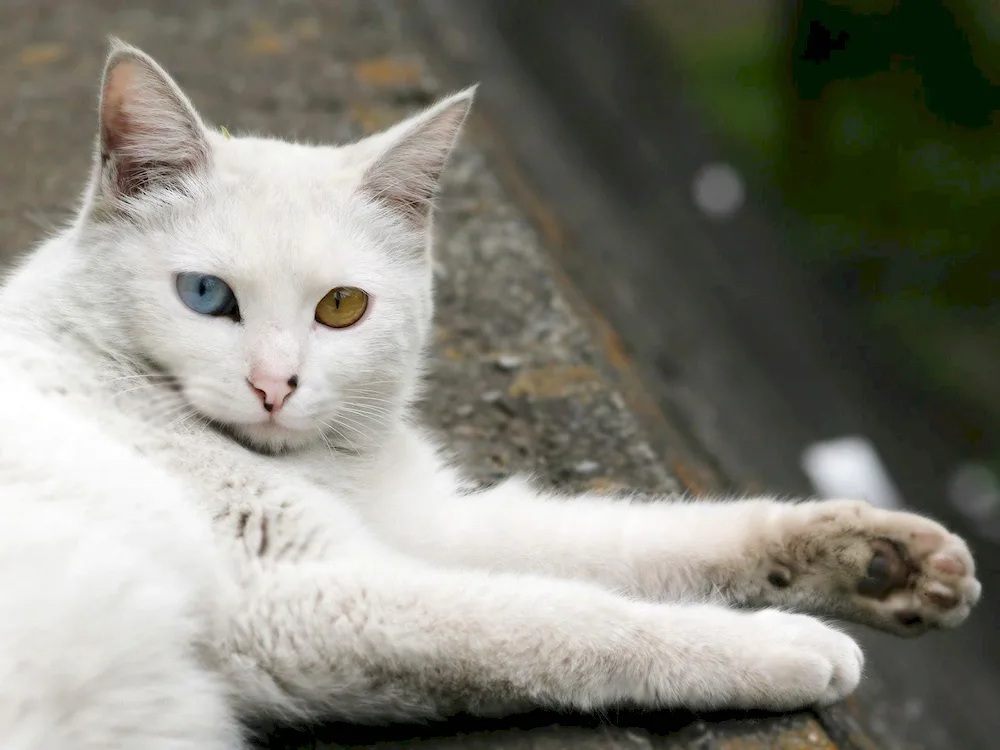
(238, 517)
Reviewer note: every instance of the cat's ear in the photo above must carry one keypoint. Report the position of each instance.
(412, 155)
(150, 134)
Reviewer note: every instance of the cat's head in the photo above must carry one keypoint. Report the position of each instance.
(285, 287)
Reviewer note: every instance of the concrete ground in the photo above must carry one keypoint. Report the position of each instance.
(528, 374)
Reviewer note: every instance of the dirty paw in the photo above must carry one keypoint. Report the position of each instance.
(920, 576)
(899, 572)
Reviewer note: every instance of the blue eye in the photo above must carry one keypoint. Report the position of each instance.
(207, 295)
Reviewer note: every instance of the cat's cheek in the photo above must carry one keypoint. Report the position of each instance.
(225, 409)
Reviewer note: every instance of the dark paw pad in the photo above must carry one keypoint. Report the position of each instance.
(886, 572)
(780, 579)
(910, 619)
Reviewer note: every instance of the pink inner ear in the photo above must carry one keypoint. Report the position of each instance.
(115, 121)
(146, 132)
(406, 176)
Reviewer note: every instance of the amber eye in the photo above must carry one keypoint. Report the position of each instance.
(342, 307)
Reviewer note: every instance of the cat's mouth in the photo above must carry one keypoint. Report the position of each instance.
(274, 431)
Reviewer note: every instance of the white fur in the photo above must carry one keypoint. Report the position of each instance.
(173, 559)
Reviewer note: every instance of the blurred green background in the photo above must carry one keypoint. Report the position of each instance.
(877, 122)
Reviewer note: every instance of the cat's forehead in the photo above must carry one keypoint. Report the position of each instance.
(275, 167)
(281, 214)
(273, 246)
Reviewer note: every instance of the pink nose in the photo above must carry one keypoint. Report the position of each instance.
(273, 391)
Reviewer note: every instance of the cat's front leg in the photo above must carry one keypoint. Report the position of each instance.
(896, 571)
(393, 639)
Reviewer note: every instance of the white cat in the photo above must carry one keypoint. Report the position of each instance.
(216, 505)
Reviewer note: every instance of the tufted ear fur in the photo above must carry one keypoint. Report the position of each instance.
(150, 134)
(406, 172)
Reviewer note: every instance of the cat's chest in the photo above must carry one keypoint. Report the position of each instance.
(265, 507)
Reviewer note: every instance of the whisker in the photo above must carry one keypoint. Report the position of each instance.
(370, 408)
(359, 428)
(332, 428)
(164, 417)
(199, 421)
(372, 402)
(178, 422)
(158, 409)
(159, 399)
(366, 383)
(389, 405)
(152, 376)
(384, 406)
(134, 388)
(326, 441)
(376, 418)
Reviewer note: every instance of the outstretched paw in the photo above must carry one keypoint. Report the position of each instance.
(899, 572)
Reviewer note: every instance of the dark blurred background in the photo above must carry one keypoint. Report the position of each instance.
(878, 122)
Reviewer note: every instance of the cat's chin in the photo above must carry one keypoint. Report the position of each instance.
(268, 437)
